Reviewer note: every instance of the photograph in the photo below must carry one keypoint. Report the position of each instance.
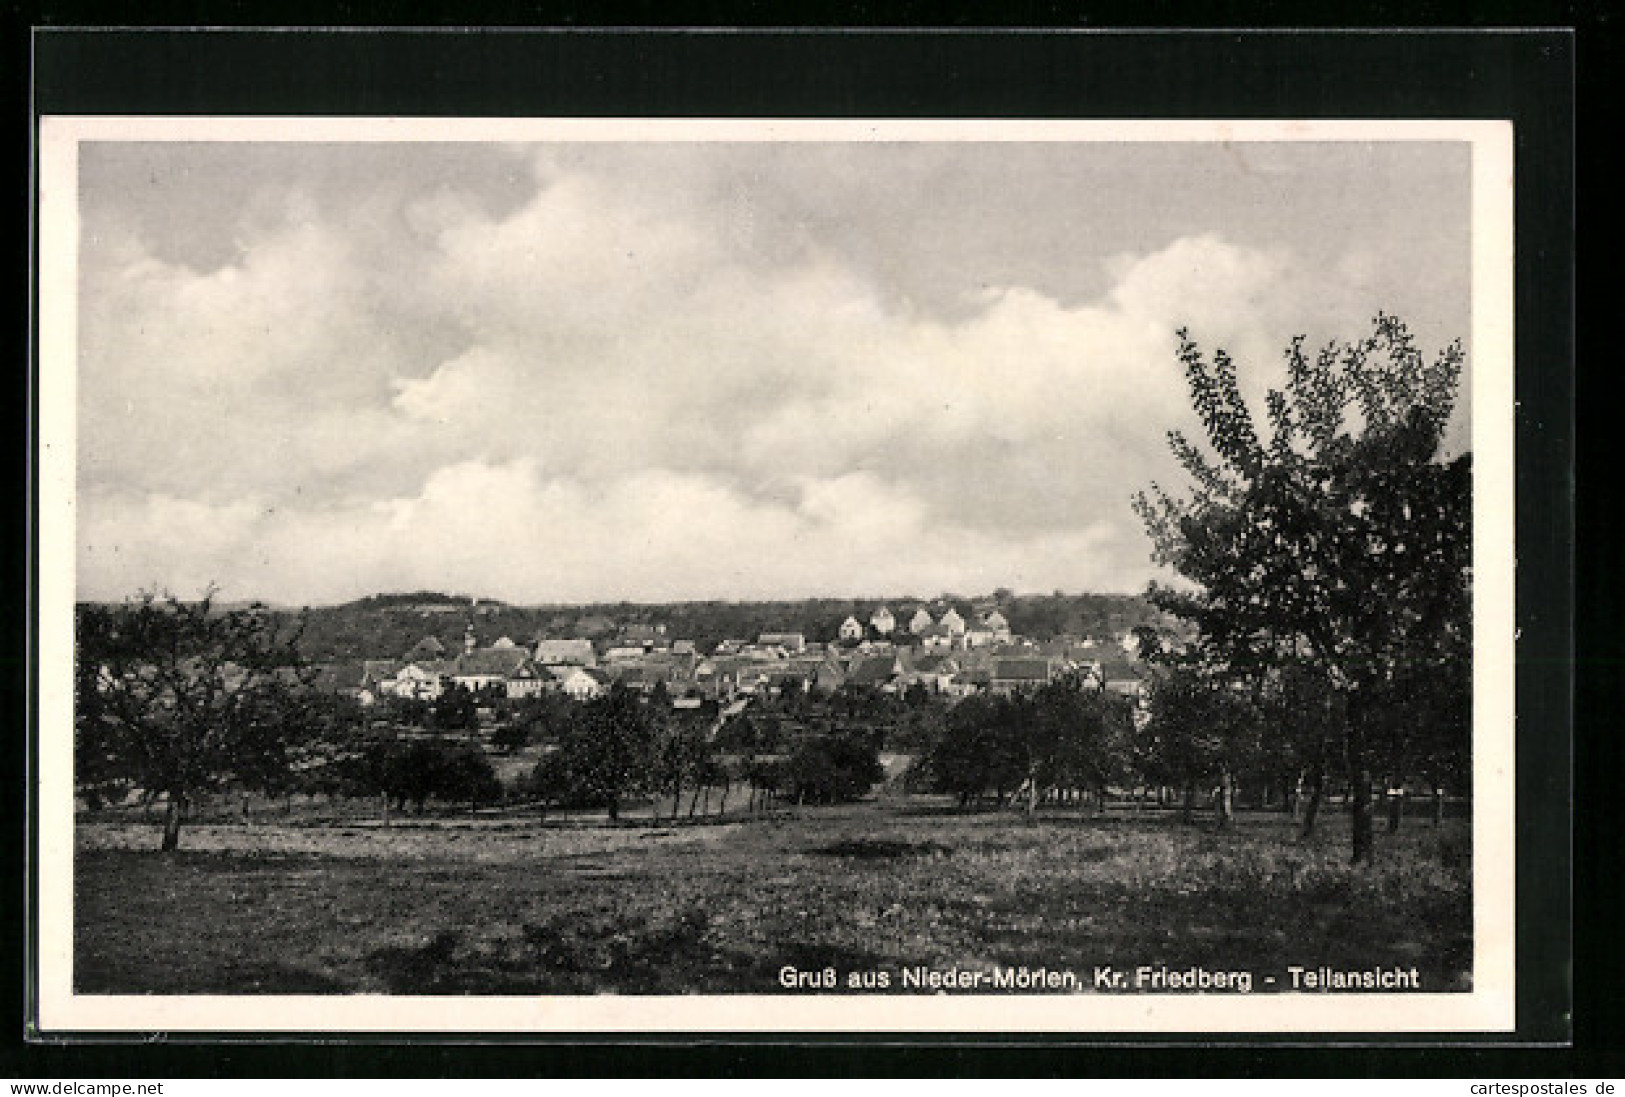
(818, 575)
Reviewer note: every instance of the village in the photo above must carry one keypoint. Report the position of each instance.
(944, 654)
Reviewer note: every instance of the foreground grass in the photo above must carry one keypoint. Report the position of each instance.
(517, 908)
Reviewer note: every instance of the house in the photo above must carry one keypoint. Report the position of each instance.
(594, 625)
(427, 648)
(1015, 675)
(969, 680)
(640, 633)
(851, 630)
(995, 623)
(375, 672)
(830, 676)
(683, 647)
(953, 622)
(938, 638)
(642, 677)
(625, 653)
(882, 621)
(482, 667)
(1124, 677)
(789, 641)
(529, 679)
(878, 671)
(933, 671)
(578, 683)
(920, 621)
(419, 681)
(565, 653)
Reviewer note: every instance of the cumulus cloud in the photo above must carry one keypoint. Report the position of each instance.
(654, 374)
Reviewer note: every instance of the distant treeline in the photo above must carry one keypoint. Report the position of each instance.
(386, 626)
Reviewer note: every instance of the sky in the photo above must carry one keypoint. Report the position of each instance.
(570, 372)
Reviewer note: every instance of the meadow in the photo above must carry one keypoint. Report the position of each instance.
(507, 904)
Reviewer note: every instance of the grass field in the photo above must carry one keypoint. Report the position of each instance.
(513, 906)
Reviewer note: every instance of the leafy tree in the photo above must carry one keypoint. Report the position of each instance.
(607, 751)
(1340, 544)
(179, 698)
(512, 735)
(831, 768)
(973, 753)
(1202, 729)
(463, 773)
(456, 709)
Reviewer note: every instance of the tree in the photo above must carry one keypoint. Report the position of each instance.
(1341, 545)
(456, 709)
(178, 698)
(1201, 729)
(608, 750)
(973, 752)
(833, 767)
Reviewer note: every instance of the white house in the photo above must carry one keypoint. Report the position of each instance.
(882, 621)
(418, 681)
(577, 684)
(953, 622)
(851, 630)
(920, 621)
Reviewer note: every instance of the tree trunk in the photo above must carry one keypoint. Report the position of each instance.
(172, 822)
(1317, 791)
(614, 809)
(722, 805)
(1360, 801)
(1438, 805)
(1224, 802)
(676, 800)
(1188, 814)
(1396, 807)
(694, 801)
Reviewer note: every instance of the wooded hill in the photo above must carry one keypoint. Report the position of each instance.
(387, 625)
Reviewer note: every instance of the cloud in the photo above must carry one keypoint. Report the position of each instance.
(505, 527)
(646, 375)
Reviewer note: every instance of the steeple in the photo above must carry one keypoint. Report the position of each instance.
(470, 641)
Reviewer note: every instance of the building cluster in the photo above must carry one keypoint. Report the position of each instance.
(944, 655)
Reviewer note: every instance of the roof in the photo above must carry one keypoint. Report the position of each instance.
(378, 670)
(337, 676)
(1021, 670)
(874, 670)
(489, 662)
(639, 673)
(995, 620)
(578, 652)
(427, 648)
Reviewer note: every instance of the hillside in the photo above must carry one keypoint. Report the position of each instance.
(386, 626)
